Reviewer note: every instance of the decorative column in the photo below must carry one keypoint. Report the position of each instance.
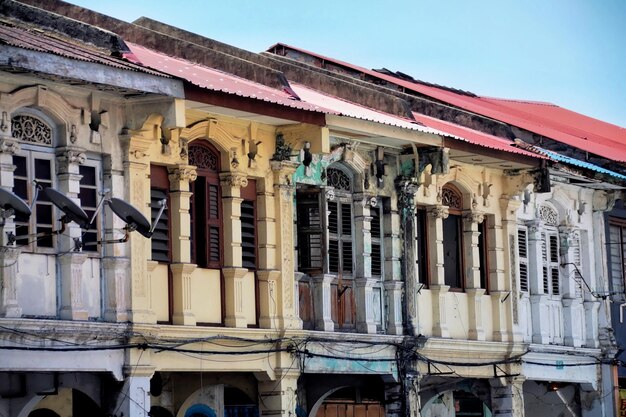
(279, 398)
(9, 306)
(406, 187)
(286, 285)
(267, 235)
(233, 272)
(181, 267)
(71, 259)
(538, 298)
(572, 287)
(363, 281)
(503, 287)
(115, 260)
(438, 287)
(137, 192)
(471, 256)
(393, 283)
(507, 397)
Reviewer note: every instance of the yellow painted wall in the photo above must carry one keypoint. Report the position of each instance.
(206, 295)
(159, 286)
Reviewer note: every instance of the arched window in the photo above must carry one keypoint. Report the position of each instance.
(453, 237)
(206, 210)
(34, 162)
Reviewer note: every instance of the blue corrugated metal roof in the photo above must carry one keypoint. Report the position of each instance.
(579, 163)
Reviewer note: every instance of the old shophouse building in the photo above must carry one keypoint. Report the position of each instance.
(322, 239)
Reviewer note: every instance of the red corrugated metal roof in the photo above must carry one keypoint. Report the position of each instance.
(215, 80)
(562, 125)
(473, 136)
(53, 43)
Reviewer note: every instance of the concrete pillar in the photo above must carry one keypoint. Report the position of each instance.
(9, 306)
(233, 272)
(134, 398)
(283, 208)
(278, 398)
(137, 193)
(180, 176)
(571, 291)
(71, 261)
(471, 256)
(116, 289)
(438, 288)
(507, 397)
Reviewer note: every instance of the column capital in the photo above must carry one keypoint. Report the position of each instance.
(284, 167)
(182, 173)
(9, 146)
(438, 212)
(473, 216)
(233, 179)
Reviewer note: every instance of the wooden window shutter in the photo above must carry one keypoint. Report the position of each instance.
(522, 252)
(545, 264)
(576, 248)
(88, 196)
(421, 245)
(159, 190)
(376, 232)
(310, 243)
(617, 259)
(248, 226)
(554, 264)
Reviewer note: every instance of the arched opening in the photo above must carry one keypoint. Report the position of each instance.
(43, 412)
(238, 404)
(364, 401)
(455, 403)
(200, 410)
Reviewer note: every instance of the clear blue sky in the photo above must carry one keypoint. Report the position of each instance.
(569, 52)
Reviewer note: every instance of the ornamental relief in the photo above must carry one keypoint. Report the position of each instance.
(203, 158)
(548, 215)
(31, 129)
(451, 198)
(338, 179)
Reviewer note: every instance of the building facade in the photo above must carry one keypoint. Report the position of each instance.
(316, 244)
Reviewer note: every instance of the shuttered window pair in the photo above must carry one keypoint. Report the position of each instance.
(549, 260)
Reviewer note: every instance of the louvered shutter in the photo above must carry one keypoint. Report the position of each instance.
(522, 252)
(376, 232)
(309, 222)
(545, 264)
(576, 250)
(554, 264)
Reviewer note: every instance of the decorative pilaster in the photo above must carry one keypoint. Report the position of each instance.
(471, 257)
(180, 177)
(504, 291)
(69, 160)
(137, 192)
(9, 306)
(364, 283)
(591, 317)
(283, 203)
(406, 187)
(233, 272)
(268, 293)
(572, 286)
(438, 288)
(134, 397)
(116, 289)
(322, 301)
(393, 282)
(538, 298)
(72, 306)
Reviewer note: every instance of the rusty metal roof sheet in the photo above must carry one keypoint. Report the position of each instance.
(568, 127)
(345, 108)
(35, 39)
(215, 80)
(474, 136)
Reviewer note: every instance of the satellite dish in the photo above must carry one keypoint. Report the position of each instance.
(133, 217)
(72, 211)
(11, 204)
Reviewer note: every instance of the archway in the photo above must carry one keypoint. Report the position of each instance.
(455, 403)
